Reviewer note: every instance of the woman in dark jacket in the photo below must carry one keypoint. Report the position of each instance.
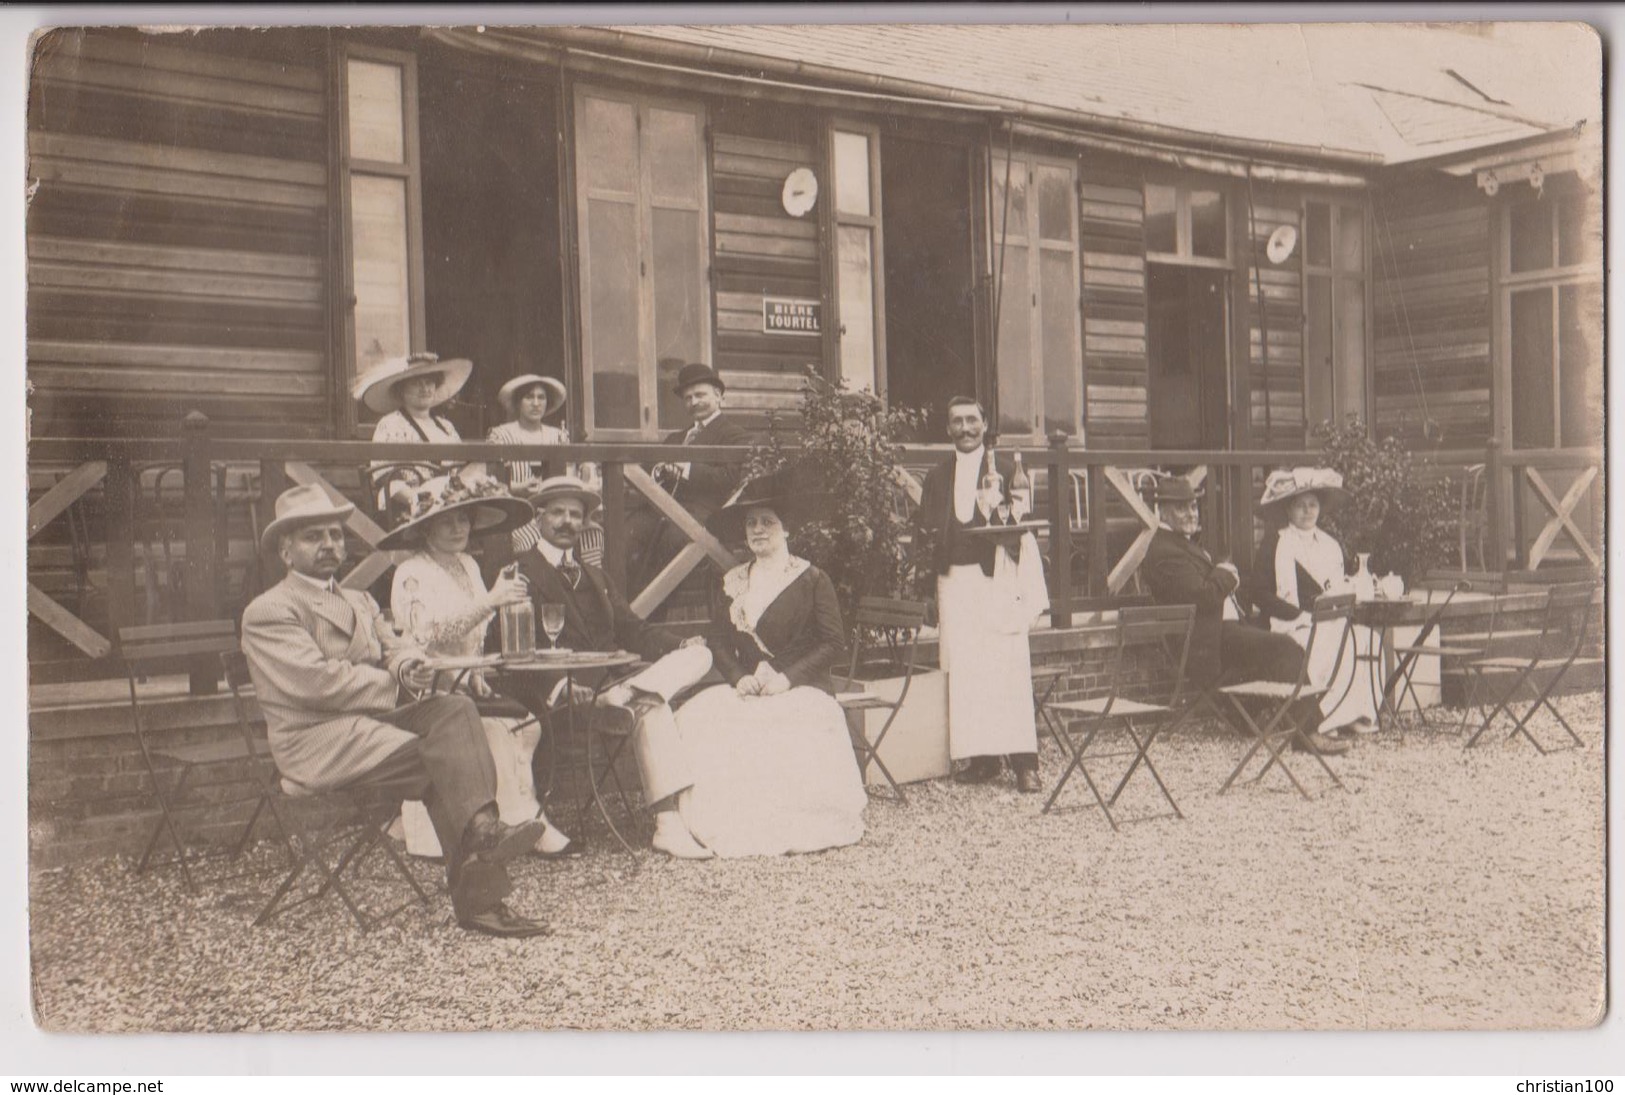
(773, 765)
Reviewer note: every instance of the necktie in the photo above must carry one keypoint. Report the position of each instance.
(571, 570)
(693, 432)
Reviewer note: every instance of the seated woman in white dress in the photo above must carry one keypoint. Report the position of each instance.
(772, 761)
(405, 391)
(1296, 562)
(439, 600)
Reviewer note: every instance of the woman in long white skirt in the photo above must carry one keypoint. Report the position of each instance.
(773, 766)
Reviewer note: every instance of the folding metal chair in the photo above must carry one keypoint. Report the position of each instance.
(236, 763)
(328, 833)
(1561, 646)
(1274, 728)
(1046, 679)
(894, 627)
(1168, 623)
(1409, 655)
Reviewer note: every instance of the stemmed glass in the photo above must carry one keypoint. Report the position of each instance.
(552, 623)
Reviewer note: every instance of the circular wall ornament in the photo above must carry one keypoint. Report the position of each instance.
(800, 191)
(1282, 243)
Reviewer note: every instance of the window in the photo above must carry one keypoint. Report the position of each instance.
(382, 206)
(645, 292)
(1035, 268)
(1334, 276)
(1552, 302)
(1186, 224)
(860, 290)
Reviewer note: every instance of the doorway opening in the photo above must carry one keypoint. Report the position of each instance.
(929, 272)
(1188, 335)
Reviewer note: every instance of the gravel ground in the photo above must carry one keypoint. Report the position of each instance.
(1445, 889)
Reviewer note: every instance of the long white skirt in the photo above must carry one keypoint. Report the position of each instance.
(990, 673)
(516, 787)
(772, 774)
(1350, 692)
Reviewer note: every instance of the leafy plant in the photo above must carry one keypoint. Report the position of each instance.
(847, 443)
(1407, 525)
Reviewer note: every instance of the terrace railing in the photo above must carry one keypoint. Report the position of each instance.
(1097, 507)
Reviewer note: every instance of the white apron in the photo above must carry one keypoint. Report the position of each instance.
(983, 626)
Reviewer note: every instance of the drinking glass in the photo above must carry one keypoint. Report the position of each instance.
(552, 623)
(1003, 510)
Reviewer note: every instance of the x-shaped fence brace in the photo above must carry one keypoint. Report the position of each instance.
(68, 490)
(1562, 516)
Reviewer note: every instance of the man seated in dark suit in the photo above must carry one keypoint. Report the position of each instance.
(597, 617)
(701, 488)
(1224, 650)
(328, 671)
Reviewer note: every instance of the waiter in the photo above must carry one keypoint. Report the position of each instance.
(984, 607)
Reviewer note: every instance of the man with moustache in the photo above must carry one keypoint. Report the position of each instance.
(328, 671)
(597, 617)
(990, 698)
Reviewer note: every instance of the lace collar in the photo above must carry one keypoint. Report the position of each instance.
(751, 588)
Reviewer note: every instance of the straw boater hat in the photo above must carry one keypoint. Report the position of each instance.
(297, 507)
(695, 373)
(376, 386)
(777, 492)
(566, 486)
(488, 503)
(1284, 485)
(508, 394)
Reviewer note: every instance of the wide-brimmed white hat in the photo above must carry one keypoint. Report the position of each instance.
(376, 387)
(508, 394)
(1288, 483)
(305, 504)
(566, 486)
(489, 505)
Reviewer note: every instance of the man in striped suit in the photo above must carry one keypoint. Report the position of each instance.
(328, 670)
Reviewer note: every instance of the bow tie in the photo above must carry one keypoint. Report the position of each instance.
(571, 570)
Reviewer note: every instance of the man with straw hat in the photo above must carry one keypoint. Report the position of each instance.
(1178, 571)
(597, 617)
(328, 671)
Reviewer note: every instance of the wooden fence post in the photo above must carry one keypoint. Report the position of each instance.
(1060, 533)
(1099, 531)
(119, 491)
(1492, 506)
(614, 480)
(201, 592)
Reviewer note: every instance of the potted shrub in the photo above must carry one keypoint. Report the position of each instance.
(848, 443)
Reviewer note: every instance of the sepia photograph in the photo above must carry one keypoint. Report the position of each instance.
(815, 526)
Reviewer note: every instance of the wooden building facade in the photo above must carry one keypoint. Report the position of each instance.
(239, 222)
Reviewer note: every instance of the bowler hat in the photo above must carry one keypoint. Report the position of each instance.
(696, 373)
(1171, 490)
(296, 507)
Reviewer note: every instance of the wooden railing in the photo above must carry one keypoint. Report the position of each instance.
(1099, 483)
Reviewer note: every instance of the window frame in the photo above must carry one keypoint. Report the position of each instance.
(1552, 279)
(1036, 245)
(648, 428)
(1336, 276)
(1183, 253)
(410, 170)
(874, 222)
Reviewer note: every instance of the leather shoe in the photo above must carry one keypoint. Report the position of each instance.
(497, 842)
(499, 920)
(1027, 781)
(571, 850)
(979, 770)
(1312, 741)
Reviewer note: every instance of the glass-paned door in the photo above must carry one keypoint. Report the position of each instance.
(860, 289)
(642, 220)
(1334, 274)
(1034, 218)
